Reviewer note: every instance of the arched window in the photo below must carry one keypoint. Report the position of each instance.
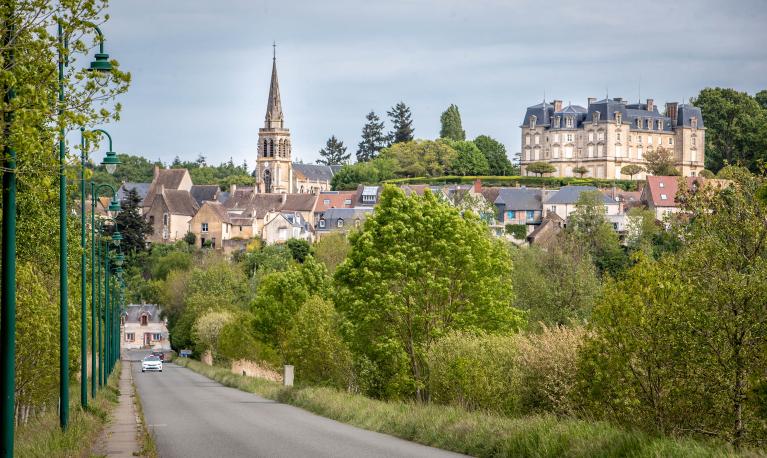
(340, 222)
(265, 152)
(532, 121)
(271, 148)
(165, 219)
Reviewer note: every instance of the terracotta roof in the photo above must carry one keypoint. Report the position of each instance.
(180, 202)
(662, 190)
(335, 199)
(258, 205)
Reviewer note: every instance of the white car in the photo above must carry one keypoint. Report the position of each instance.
(151, 363)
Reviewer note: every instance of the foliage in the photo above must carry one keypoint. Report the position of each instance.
(581, 170)
(236, 342)
(405, 284)
(334, 152)
(706, 174)
(420, 157)
(641, 230)
(660, 162)
(496, 156)
(450, 121)
(133, 226)
(510, 181)
(315, 347)
(401, 123)
(589, 226)
(190, 238)
(373, 138)
(163, 264)
(299, 249)
(470, 160)
(555, 287)
(540, 168)
(207, 329)
(371, 172)
(519, 231)
(270, 258)
(331, 250)
(631, 170)
(736, 127)
(475, 372)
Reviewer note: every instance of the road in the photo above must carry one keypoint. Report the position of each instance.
(192, 416)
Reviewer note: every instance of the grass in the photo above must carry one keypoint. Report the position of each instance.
(43, 438)
(472, 433)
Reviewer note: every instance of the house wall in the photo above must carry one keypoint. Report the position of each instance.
(217, 229)
(155, 216)
(565, 210)
(520, 217)
(139, 333)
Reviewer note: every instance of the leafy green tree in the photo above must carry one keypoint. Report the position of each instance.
(315, 347)
(133, 226)
(334, 152)
(539, 168)
(373, 138)
(299, 249)
(207, 329)
(736, 128)
(470, 160)
(190, 238)
(401, 123)
(641, 229)
(589, 225)
(660, 162)
(631, 170)
(580, 171)
(270, 258)
(496, 156)
(420, 158)
(761, 97)
(371, 172)
(451, 124)
(404, 285)
(706, 174)
(331, 250)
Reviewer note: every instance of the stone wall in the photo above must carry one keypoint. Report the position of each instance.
(251, 369)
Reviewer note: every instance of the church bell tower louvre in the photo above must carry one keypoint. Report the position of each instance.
(274, 173)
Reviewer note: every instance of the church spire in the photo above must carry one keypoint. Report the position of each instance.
(274, 116)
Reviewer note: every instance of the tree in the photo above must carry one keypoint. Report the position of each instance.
(706, 174)
(401, 123)
(539, 168)
(761, 97)
(133, 226)
(373, 138)
(736, 128)
(588, 225)
(470, 160)
(190, 238)
(580, 171)
(331, 250)
(207, 328)
(371, 172)
(451, 124)
(660, 162)
(420, 158)
(299, 249)
(334, 152)
(641, 230)
(404, 285)
(631, 170)
(496, 156)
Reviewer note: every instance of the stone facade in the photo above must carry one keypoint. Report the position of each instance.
(610, 134)
(143, 327)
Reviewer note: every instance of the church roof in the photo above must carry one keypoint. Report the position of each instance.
(274, 115)
(314, 172)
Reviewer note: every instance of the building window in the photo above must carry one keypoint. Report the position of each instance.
(618, 151)
(556, 138)
(660, 125)
(639, 139)
(670, 141)
(164, 219)
(537, 139)
(130, 336)
(600, 136)
(527, 139)
(532, 121)
(511, 214)
(663, 197)
(553, 209)
(591, 150)
(340, 223)
(569, 121)
(282, 233)
(156, 336)
(694, 122)
(618, 118)
(618, 136)
(530, 215)
(639, 123)
(569, 137)
(144, 320)
(568, 152)
(591, 136)
(693, 140)
(326, 201)
(347, 202)
(555, 152)
(204, 227)
(661, 185)
(595, 117)
(322, 224)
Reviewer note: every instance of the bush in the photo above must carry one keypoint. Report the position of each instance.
(236, 341)
(552, 182)
(518, 231)
(474, 372)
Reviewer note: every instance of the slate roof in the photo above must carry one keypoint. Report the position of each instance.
(490, 194)
(141, 190)
(203, 192)
(685, 114)
(313, 172)
(570, 195)
(133, 312)
(258, 205)
(168, 179)
(520, 198)
(542, 113)
(332, 216)
(180, 202)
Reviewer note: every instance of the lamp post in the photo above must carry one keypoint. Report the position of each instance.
(110, 162)
(101, 64)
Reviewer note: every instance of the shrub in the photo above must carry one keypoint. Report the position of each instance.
(519, 231)
(553, 182)
(474, 372)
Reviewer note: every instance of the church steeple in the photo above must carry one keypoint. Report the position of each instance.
(274, 117)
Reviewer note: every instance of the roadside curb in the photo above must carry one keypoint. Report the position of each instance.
(122, 436)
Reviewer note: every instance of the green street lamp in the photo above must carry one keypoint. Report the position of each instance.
(114, 207)
(101, 61)
(97, 348)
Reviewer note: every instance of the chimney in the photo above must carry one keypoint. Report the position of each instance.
(283, 198)
(650, 104)
(671, 112)
(557, 106)
(232, 189)
(592, 100)
(156, 171)
(618, 99)
(477, 186)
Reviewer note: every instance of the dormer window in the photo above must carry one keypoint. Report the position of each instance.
(618, 118)
(533, 119)
(556, 122)
(569, 121)
(694, 122)
(663, 197)
(660, 125)
(595, 117)
(340, 222)
(639, 123)
(322, 223)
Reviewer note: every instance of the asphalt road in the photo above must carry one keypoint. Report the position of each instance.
(192, 416)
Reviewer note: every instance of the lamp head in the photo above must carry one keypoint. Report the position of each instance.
(119, 259)
(101, 63)
(117, 238)
(114, 205)
(111, 161)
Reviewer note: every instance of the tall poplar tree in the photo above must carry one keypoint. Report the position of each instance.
(402, 125)
(373, 138)
(451, 124)
(334, 152)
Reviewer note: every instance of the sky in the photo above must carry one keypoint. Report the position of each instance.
(201, 68)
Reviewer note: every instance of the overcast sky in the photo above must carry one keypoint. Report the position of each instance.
(201, 68)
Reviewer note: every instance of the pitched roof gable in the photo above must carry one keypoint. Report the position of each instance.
(180, 202)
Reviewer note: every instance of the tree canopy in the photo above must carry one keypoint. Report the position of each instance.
(452, 128)
(539, 168)
(373, 138)
(402, 125)
(495, 153)
(334, 152)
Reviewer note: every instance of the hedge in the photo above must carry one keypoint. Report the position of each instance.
(554, 182)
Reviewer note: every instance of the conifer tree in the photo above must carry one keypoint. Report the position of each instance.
(373, 138)
(334, 152)
(402, 125)
(451, 124)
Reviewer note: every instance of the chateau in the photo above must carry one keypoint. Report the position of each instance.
(275, 172)
(610, 134)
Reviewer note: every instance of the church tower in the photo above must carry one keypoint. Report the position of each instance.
(274, 173)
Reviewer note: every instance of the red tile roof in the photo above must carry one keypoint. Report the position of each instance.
(335, 200)
(663, 189)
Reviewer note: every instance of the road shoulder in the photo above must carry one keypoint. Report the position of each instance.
(122, 437)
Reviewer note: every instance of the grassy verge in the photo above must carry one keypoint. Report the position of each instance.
(472, 433)
(148, 447)
(43, 438)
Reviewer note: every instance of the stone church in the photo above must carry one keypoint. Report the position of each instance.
(275, 171)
